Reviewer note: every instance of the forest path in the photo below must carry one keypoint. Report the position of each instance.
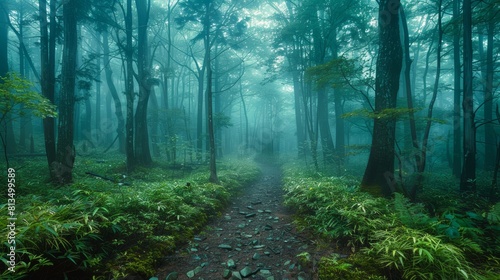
(253, 238)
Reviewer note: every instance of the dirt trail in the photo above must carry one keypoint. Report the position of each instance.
(254, 238)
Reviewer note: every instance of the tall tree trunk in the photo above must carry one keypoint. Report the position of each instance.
(47, 64)
(199, 114)
(155, 138)
(339, 109)
(378, 177)
(210, 129)
(25, 123)
(86, 119)
(457, 92)
(97, 43)
(324, 126)
(6, 134)
(322, 105)
(299, 118)
(339, 128)
(425, 139)
(468, 177)
(65, 155)
(489, 132)
(142, 150)
(245, 114)
(114, 93)
(129, 90)
(408, 89)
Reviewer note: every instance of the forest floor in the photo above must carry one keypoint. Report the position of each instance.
(253, 238)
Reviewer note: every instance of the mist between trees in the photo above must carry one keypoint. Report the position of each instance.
(393, 88)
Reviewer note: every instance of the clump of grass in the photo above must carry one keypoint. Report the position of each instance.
(111, 229)
(398, 239)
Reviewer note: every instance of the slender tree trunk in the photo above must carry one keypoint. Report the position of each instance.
(47, 63)
(98, 88)
(65, 156)
(129, 90)
(142, 150)
(339, 127)
(210, 129)
(4, 69)
(322, 105)
(7, 132)
(114, 93)
(468, 177)
(22, 70)
(311, 126)
(379, 173)
(409, 96)
(86, 121)
(435, 90)
(155, 139)
(245, 114)
(299, 118)
(457, 92)
(324, 126)
(489, 132)
(199, 115)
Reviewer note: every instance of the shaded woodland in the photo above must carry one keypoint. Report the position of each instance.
(396, 99)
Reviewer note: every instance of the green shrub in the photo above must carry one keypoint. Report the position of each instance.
(114, 229)
(337, 210)
(404, 240)
(356, 267)
(419, 255)
(50, 232)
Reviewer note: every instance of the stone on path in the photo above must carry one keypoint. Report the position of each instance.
(226, 274)
(265, 272)
(236, 276)
(225, 246)
(172, 276)
(231, 264)
(247, 272)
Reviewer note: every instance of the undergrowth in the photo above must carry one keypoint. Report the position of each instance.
(394, 238)
(114, 227)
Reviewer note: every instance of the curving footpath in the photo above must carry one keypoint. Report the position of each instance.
(254, 238)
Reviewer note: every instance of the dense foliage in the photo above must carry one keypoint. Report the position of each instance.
(114, 227)
(394, 238)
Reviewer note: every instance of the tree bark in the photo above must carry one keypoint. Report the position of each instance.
(299, 118)
(468, 177)
(199, 114)
(129, 90)
(210, 129)
(98, 87)
(113, 92)
(142, 150)
(47, 81)
(457, 92)
(65, 156)
(379, 173)
(489, 132)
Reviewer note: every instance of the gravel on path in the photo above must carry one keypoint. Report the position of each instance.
(254, 238)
